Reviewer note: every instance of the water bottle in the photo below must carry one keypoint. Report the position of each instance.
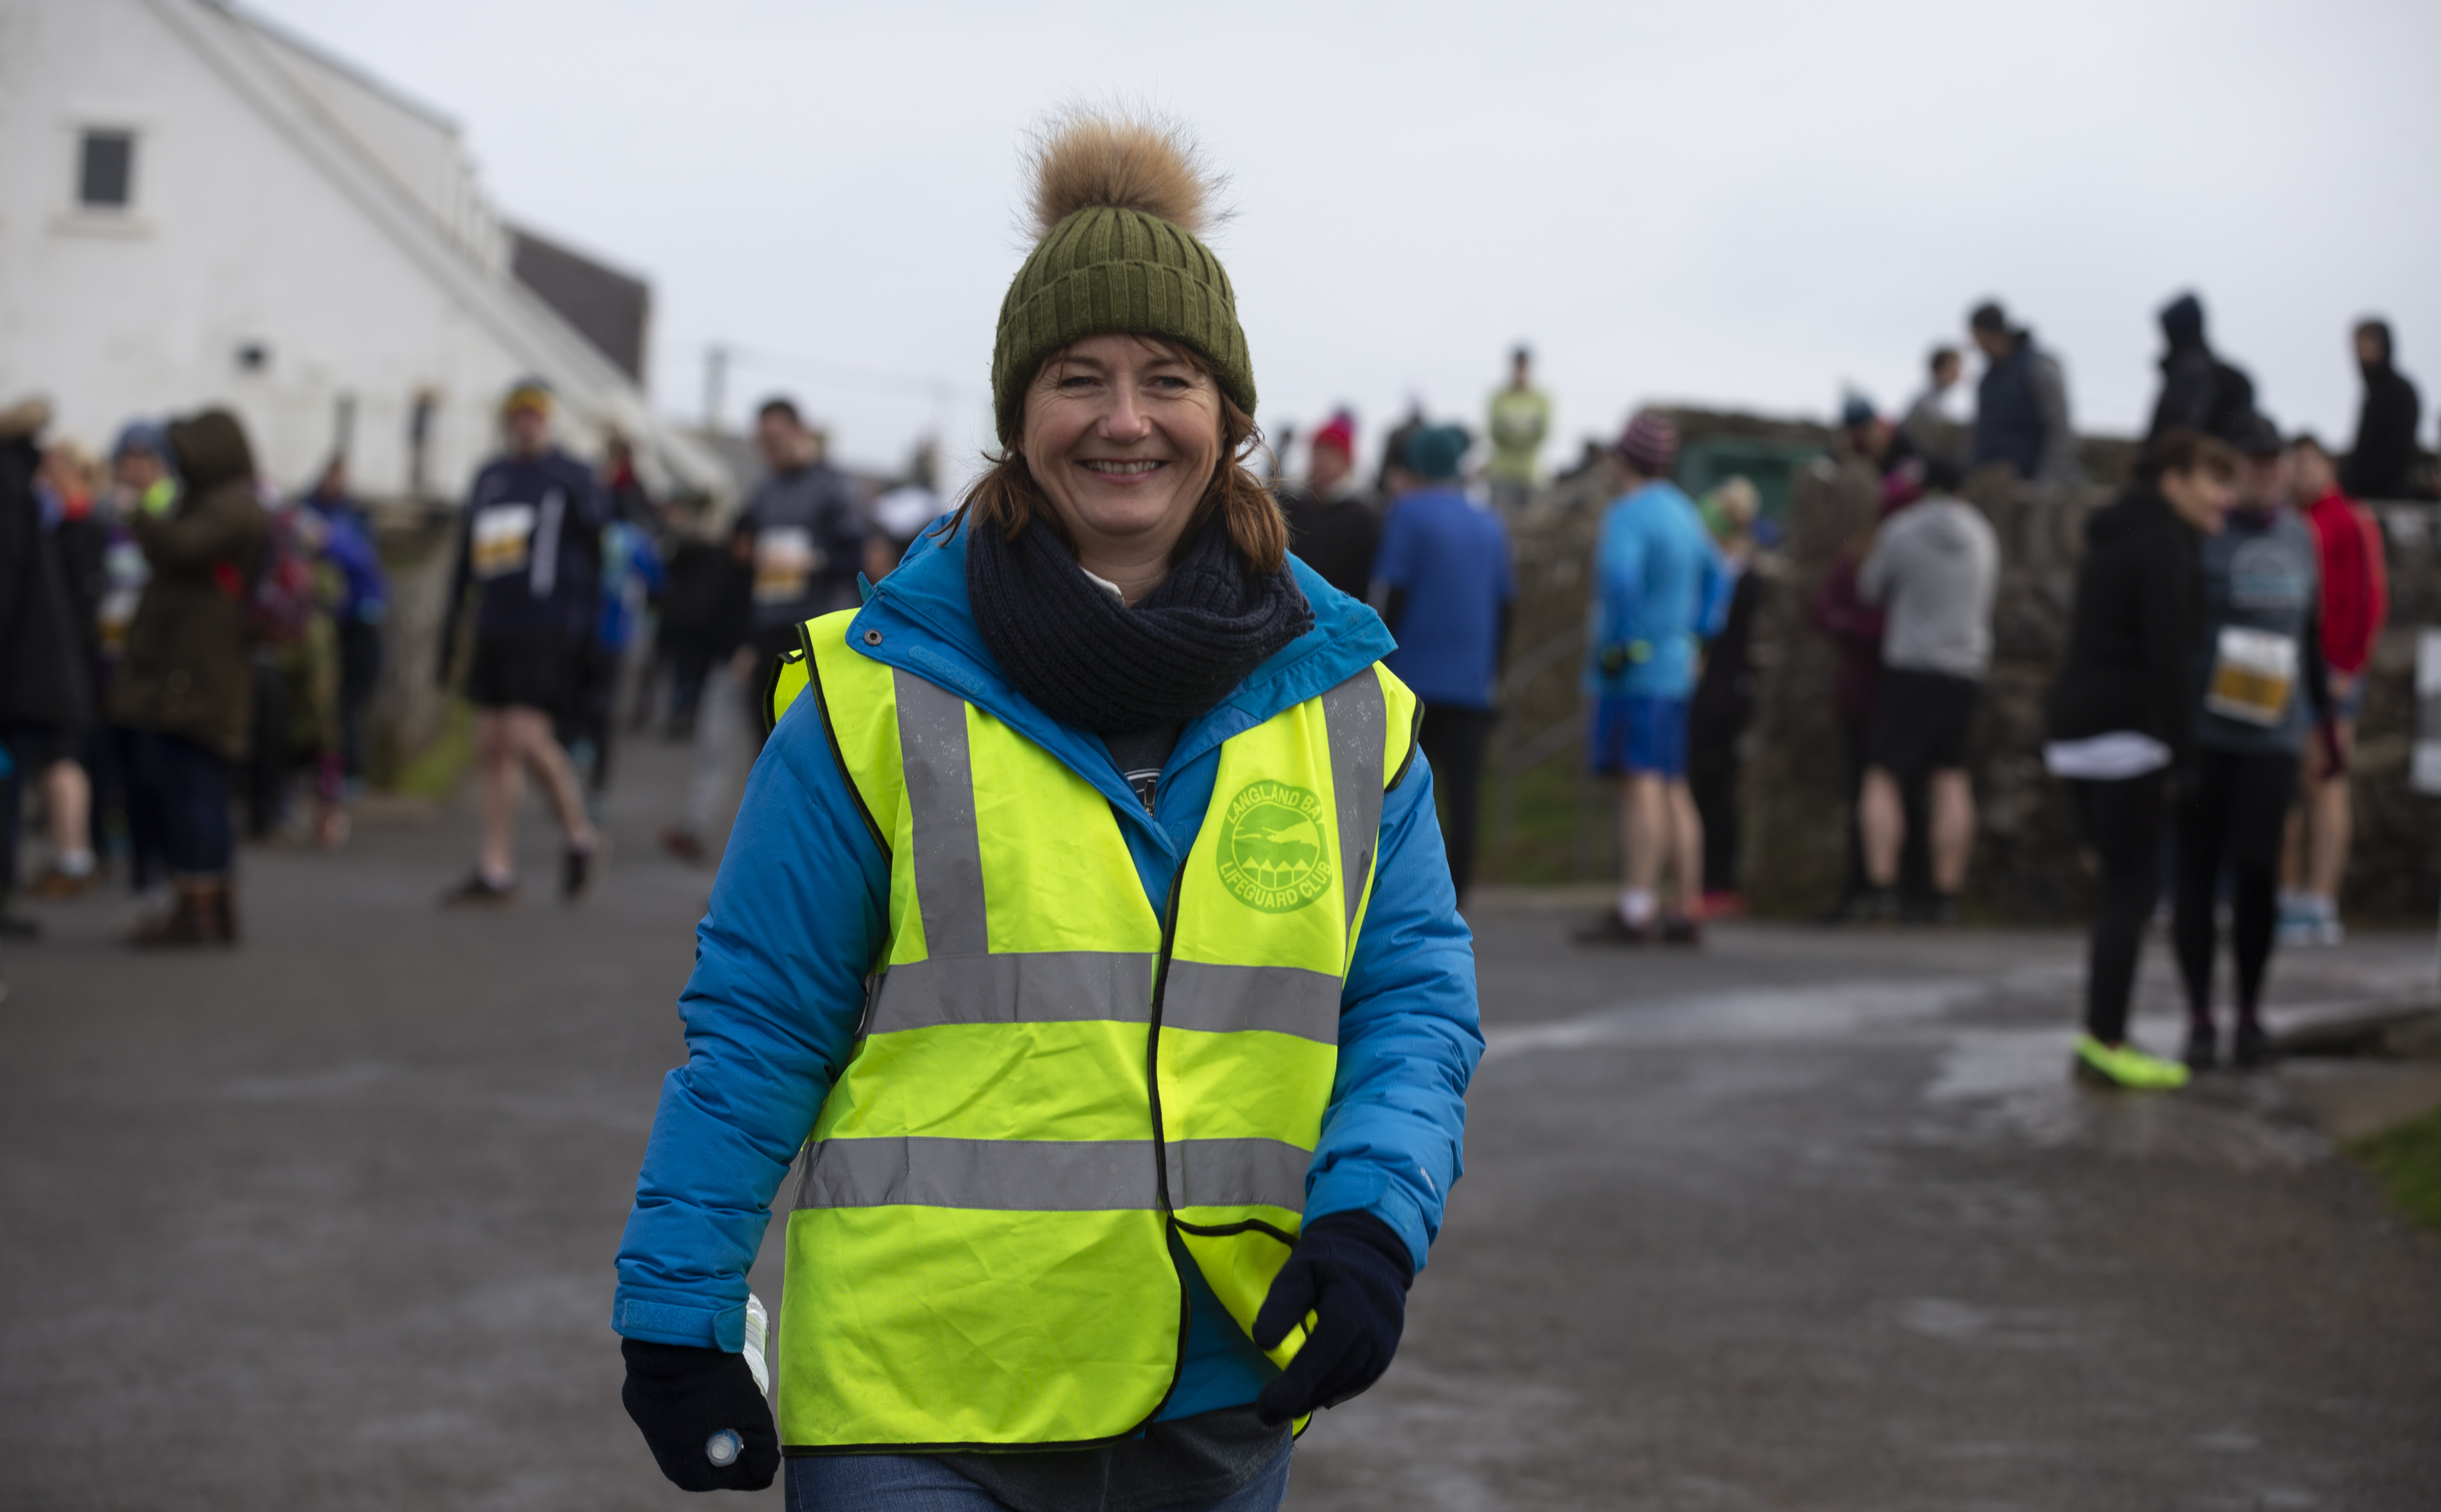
(723, 1448)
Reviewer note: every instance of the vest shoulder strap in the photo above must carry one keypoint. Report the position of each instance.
(845, 686)
(789, 680)
(1406, 724)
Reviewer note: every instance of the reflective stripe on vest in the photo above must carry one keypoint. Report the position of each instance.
(1054, 1083)
(1049, 1176)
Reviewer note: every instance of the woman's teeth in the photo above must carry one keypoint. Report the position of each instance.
(1121, 469)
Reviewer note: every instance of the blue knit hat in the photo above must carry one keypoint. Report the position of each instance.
(140, 436)
(1436, 451)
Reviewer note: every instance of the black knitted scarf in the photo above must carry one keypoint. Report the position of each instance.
(1071, 646)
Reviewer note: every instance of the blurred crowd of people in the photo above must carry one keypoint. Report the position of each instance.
(180, 643)
(587, 608)
(2226, 613)
(1669, 682)
(1431, 553)
(177, 644)
(2227, 607)
(185, 649)
(1910, 603)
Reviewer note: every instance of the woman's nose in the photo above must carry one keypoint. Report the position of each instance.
(1125, 419)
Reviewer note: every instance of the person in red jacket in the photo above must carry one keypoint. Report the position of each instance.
(2356, 601)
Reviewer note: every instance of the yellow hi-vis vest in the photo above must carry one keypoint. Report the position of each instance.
(1054, 1083)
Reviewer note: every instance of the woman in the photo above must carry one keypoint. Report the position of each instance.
(46, 696)
(2123, 716)
(185, 685)
(1088, 911)
(2262, 686)
(68, 483)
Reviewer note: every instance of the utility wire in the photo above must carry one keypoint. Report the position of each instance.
(846, 374)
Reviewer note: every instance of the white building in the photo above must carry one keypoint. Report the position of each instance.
(197, 208)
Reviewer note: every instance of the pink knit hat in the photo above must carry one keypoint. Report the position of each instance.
(1650, 444)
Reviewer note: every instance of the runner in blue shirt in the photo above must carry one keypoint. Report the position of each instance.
(1660, 586)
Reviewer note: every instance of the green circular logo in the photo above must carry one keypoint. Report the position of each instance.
(1272, 853)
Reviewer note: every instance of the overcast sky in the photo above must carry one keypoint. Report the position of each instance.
(1747, 205)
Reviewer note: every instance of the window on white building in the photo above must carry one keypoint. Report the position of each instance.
(106, 169)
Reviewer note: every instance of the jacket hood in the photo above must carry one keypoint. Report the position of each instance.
(2182, 322)
(25, 418)
(1941, 522)
(208, 450)
(919, 619)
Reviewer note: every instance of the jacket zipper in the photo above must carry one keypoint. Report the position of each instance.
(1153, 1038)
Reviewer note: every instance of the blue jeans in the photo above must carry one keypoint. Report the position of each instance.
(185, 790)
(916, 1483)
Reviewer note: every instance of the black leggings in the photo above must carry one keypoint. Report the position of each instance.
(1454, 740)
(2123, 823)
(2232, 812)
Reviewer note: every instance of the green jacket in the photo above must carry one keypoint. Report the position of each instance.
(1520, 418)
(187, 668)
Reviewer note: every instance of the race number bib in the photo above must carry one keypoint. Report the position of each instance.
(2254, 675)
(503, 540)
(786, 559)
(125, 571)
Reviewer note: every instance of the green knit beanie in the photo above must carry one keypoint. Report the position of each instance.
(1117, 204)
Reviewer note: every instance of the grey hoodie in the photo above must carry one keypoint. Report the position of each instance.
(1932, 567)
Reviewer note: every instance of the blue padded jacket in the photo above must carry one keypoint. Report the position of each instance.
(802, 907)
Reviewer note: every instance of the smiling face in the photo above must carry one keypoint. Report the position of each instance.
(1122, 434)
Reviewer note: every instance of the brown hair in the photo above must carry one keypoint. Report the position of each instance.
(2180, 450)
(1008, 497)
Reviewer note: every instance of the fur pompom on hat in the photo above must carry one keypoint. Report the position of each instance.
(1120, 205)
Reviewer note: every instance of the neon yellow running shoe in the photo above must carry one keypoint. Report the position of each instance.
(2125, 1066)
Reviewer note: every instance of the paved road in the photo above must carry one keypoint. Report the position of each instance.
(1809, 1220)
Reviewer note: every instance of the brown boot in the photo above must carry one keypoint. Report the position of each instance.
(194, 920)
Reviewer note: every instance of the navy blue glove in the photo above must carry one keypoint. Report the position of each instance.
(681, 1396)
(1351, 1271)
